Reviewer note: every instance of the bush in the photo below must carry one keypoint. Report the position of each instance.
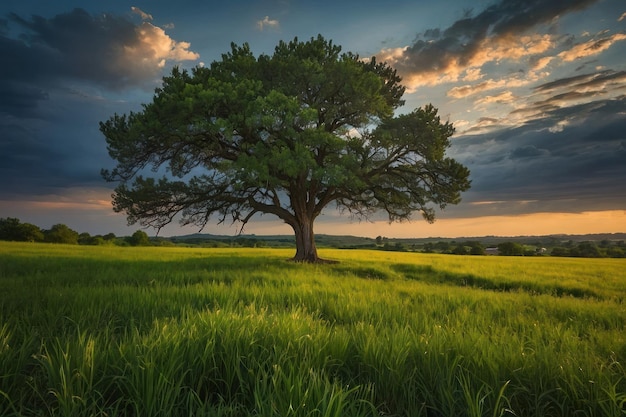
(60, 233)
(510, 249)
(139, 238)
(11, 229)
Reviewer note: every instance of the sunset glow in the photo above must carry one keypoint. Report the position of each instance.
(536, 91)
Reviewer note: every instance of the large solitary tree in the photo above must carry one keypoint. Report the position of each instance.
(284, 134)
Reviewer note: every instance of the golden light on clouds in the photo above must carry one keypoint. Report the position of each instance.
(503, 98)
(510, 47)
(538, 49)
(454, 68)
(487, 85)
(541, 63)
(535, 91)
(590, 48)
(154, 47)
(392, 55)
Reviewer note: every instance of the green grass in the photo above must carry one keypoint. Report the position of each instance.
(108, 331)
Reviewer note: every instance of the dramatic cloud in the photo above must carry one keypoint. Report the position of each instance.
(527, 151)
(502, 98)
(266, 22)
(536, 90)
(50, 92)
(584, 82)
(591, 47)
(470, 89)
(141, 13)
(153, 46)
(106, 49)
(573, 91)
(500, 32)
(20, 99)
(574, 166)
(541, 102)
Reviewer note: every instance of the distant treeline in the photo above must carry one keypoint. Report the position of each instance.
(13, 229)
(550, 246)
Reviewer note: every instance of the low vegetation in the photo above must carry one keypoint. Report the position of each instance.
(155, 331)
(585, 246)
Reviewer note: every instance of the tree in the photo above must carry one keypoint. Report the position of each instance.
(60, 233)
(12, 229)
(286, 135)
(588, 250)
(85, 239)
(429, 247)
(139, 238)
(477, 249)
(510, 249)
(443, 246)
(615, 252)
(460, 249)
(559, 251)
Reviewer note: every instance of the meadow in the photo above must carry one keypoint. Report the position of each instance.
(136, 331)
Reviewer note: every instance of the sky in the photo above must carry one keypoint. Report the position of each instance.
(535, 89)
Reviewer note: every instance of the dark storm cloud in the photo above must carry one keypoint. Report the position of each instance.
(49, 137)
(577, 167)
(527, 151)
(75, 45)
(41, 157)
(21, 100)
(107, 50)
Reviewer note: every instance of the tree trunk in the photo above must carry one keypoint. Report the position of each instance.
(306, 251)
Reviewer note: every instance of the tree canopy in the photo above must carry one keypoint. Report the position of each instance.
(139, 238)
(285, 134)
(12, 229)
(60, 233)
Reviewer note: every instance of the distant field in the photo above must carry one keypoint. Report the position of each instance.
(111, 331)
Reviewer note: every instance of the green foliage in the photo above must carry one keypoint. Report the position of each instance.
(510, 249)
(283, 134)
(477, 249)
(13, 230)
(460, 250)
(103, 330)
(139, 238)
(589, 250)
(60, 233)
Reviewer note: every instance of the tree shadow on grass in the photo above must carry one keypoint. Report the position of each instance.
(363, 272)
(428, 274)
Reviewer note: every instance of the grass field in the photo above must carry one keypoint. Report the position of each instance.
(110, 331)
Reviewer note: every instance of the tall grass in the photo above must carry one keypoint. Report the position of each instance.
(91, 331)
